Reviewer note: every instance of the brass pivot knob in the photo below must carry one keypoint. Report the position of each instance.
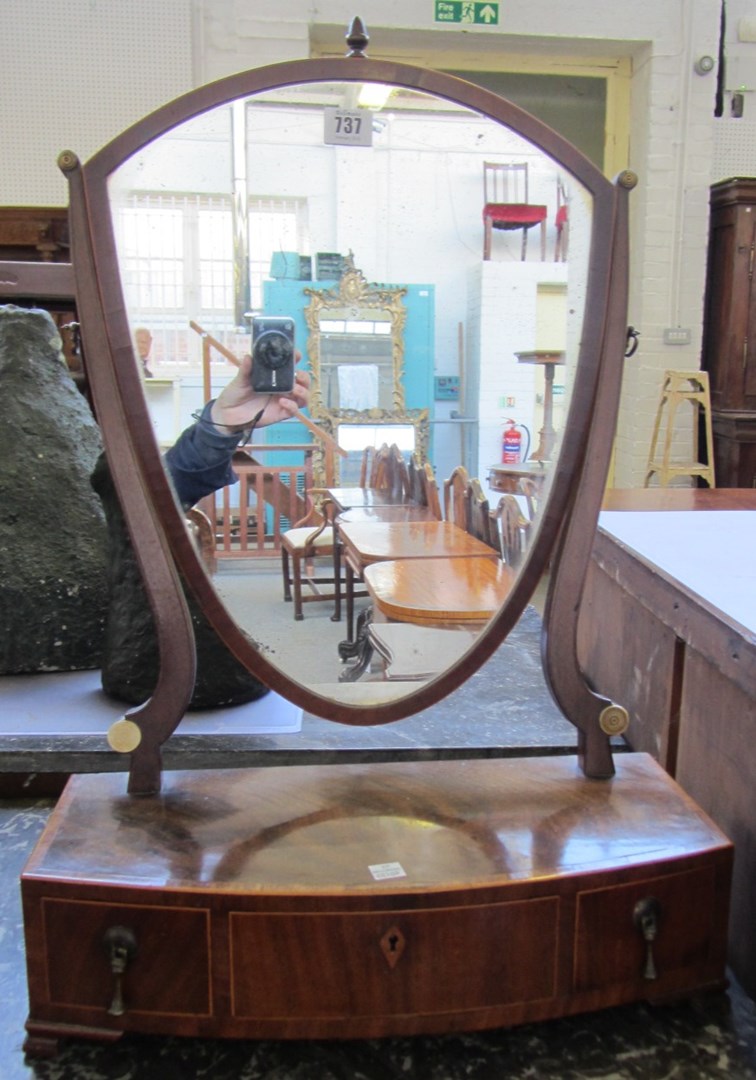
(613, 720)
(67, 161)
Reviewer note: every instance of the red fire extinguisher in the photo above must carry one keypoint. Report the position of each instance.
(511, 444)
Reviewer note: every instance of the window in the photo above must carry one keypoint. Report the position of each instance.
(274, 225)
(177, 254)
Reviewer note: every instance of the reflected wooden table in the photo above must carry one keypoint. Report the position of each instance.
(426, 613)
(358, 500)
(439, 592)
(506, 478)
(368, 542)
(370, 512)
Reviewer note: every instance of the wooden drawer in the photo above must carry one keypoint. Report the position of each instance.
(610, 949)
(393, 963)
(169, 973)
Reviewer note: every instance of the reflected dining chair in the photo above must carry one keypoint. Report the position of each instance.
(506, 206)
(561, 223)
(455, 504)
(423, 486)
(509, 527)
(301, 546)
(478, 515)
(373, 467)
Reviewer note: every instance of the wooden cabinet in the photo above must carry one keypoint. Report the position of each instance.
(729, 346)
(684, 668)
(33, 234)
(361, 901)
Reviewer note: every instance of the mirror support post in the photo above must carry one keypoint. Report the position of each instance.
(586, 709)
(112, 379)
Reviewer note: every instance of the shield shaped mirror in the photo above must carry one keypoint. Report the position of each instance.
(169, 225)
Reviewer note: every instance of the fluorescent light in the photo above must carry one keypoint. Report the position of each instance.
(374, 95)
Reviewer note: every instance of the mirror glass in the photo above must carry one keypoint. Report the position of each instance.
(356, 371)
(265, 206)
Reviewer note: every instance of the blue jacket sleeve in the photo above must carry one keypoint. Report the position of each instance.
(199, 462)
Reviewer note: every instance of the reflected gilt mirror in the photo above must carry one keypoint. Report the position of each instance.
(424, 152)
(355, 355)
(355, 346)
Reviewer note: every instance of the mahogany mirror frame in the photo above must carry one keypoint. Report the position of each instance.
(162, 545)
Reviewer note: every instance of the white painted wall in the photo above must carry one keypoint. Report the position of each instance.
(74, 74)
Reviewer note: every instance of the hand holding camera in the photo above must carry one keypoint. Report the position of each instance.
(272, 354)
(239, 402)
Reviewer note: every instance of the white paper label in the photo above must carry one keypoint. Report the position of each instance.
(383, 871)
(347, 127)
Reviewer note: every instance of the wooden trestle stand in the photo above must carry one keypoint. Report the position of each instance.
(384, 898)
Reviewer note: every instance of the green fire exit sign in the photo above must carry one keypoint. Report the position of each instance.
(467, 11)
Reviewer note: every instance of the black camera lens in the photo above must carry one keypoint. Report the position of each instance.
(274, 349)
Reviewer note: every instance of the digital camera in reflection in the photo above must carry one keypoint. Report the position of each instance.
(272, 354)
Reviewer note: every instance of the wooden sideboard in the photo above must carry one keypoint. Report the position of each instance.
(682, 657)
(39, 234)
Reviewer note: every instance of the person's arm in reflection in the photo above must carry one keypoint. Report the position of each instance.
(200, 460)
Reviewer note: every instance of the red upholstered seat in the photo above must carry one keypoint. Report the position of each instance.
(506, 205)
(514, 215)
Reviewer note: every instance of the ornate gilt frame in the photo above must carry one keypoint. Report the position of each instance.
(356, 294)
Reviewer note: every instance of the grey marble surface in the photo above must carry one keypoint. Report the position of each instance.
(504, 708)
(712, 1036)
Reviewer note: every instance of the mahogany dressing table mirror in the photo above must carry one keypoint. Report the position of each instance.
(384, 898)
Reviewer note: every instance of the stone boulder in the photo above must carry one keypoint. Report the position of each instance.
(53, 538)
(130, 659)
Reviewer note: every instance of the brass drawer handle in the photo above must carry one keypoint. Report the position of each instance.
(646, 915)
(121, 946)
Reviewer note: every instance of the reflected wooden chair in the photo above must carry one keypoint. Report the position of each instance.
(561, 223)
(366, 466)
(506, 206)
(374, 469)
(509, 528)
(455, 503)
(397, 474)
(478, 515)
(428, 594)
(301, 547)
(423, 486)
(203, 535)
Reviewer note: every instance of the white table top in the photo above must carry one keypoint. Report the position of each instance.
(711, 552)
(73, 703)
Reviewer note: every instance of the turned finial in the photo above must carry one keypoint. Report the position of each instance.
(357, 38)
